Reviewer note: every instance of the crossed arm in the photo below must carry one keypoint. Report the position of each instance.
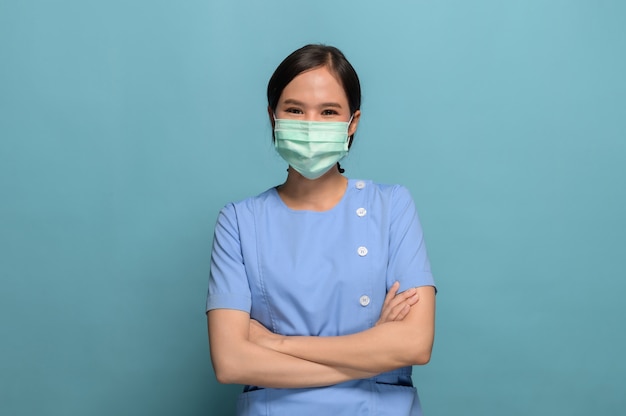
(245, 352)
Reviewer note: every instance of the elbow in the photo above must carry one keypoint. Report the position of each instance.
(227, 364)
(413, 356)
(226, 369)
(420, 354)
(226, 374)
(224, 378)
(422, 358)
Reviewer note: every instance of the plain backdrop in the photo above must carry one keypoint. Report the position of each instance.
(126, 125)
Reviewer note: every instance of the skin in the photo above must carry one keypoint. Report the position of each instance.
(245, 352)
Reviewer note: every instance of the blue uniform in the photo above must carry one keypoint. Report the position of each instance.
(324, 273)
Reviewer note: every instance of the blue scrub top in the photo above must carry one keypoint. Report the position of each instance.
(302, 272)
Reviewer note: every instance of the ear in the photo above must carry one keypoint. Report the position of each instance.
(270, 113)
(355, 122)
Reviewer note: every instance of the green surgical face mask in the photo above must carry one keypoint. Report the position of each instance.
(311, 147)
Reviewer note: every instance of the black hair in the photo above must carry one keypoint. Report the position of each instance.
(310, 57)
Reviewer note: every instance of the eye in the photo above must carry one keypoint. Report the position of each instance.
(293, 110)
(329, 112)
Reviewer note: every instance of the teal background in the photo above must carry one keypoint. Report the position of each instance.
(126, 125)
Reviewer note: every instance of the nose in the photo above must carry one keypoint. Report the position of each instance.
(312, 116)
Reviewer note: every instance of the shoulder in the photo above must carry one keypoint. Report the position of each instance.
(389, 200)
(387, 192)
(247, 205)
(264, 197)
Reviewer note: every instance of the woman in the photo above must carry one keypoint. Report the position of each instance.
(321, 297)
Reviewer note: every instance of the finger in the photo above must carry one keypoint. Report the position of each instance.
(402, 313)
(403, 297)
(398, 312)
(391, 294)
(402, 306)
(412, 300)
(394, 312)
(395, 304)
(393, 290)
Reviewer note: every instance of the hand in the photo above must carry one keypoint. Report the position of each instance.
(260, 335)
(397, 305)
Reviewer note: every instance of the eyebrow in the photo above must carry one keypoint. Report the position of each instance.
(296, 102)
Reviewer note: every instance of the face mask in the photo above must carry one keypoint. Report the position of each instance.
(311, 147)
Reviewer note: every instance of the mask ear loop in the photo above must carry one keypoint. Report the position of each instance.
(349, 124)
(342, 170)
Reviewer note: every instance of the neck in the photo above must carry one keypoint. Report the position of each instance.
(320, 194)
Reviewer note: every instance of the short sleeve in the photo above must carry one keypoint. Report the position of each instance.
(408, 260)
(228, 282)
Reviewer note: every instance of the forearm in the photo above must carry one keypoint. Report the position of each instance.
(254, 365)
(239, 361)
(382, 348)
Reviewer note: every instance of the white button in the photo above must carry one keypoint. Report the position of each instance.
(362, 251)
(360, 185)
(361, 212)
(364, 300)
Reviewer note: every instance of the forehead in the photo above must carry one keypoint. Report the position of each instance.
(317, 83)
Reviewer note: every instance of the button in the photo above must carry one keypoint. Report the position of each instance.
(364, 300)
(360, 185)
(362, 251)
(361, 212)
